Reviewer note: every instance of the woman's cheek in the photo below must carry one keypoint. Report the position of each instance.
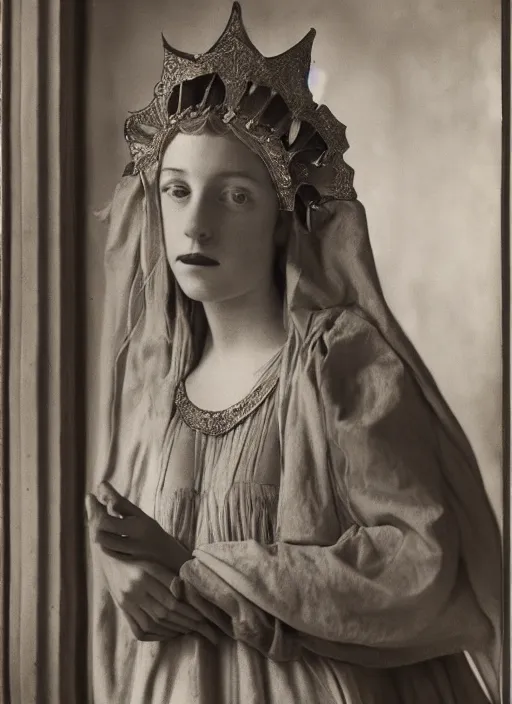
(259, 250)
(171, 238)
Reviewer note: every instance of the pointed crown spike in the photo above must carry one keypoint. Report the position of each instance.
(168, 49)
(234, 26)
(255, 96)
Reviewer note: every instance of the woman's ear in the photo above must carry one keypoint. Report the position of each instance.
(282, 228)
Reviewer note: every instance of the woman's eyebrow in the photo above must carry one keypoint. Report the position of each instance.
(171, 168)
(238, 174)
(221, 174)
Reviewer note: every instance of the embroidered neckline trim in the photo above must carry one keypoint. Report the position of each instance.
(220, 422)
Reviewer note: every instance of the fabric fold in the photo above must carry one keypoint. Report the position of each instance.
(382, 518)
(394, 582)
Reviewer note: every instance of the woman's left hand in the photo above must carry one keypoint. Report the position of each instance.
(126, 532)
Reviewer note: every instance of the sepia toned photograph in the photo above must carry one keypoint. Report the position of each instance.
(255, 356)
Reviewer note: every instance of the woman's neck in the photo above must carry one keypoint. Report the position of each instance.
(251, 324)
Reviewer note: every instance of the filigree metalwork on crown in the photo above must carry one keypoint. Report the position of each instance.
(302, 147)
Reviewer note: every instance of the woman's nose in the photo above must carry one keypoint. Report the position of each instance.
(199, 225)
(199, 232)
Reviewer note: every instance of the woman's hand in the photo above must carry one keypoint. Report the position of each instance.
(125, 531)
(141, 590)
(148, 605)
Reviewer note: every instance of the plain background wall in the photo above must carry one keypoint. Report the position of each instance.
(418, 86)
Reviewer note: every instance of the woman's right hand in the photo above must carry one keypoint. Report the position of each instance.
(141, 590)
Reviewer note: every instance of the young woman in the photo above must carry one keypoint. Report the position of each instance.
(287, 510)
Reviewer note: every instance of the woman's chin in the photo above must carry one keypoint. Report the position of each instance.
(202, 293)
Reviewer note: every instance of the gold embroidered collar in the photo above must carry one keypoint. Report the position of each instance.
(220, 422)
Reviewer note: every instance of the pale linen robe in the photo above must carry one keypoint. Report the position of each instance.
(344, 546)
(219, 492)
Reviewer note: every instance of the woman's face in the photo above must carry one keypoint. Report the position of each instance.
(218, 201)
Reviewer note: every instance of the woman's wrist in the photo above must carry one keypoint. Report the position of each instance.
(177, 555)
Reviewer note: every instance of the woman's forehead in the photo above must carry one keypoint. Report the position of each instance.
(208, 155)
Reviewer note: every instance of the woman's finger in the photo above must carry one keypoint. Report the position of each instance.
(164, 578)
(95, 513)
(117, 526)
(139, 633)
(163, 595)
(118, 503)
(93, 507)
(153, 625)
(146, 624)
(118, 544)
(168, 618)
(203, 628)
(129, 526)
(208, 631)
(100, 519)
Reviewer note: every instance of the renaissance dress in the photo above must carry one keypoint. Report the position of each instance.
(343, 546)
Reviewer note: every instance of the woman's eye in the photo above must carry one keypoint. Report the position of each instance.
(240, 198)
(176, 192)
(237, 197)
(179, 192)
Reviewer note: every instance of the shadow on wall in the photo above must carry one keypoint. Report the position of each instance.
(419, 90)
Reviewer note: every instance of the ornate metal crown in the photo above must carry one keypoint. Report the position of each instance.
(265, 101)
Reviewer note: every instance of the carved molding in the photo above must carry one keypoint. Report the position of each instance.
(41, 201)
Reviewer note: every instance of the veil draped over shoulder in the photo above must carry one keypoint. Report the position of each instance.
(148, 344)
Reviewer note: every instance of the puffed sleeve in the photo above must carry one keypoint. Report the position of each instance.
(392, 589)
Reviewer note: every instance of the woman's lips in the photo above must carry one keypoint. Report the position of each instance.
(197, 260)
